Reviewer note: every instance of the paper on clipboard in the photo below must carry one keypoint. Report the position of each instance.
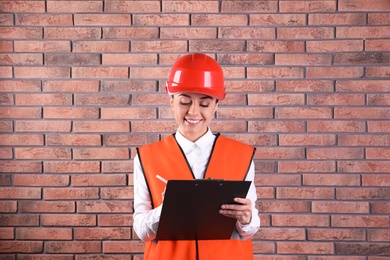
(191, 209)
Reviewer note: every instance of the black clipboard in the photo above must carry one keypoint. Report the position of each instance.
(191, 209)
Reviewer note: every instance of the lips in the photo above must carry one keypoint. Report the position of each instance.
(193, 121)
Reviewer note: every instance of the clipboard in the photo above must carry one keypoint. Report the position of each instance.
(191, 209)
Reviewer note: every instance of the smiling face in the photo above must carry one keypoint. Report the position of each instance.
(193, 113)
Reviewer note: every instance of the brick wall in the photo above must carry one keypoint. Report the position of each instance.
(82, 86)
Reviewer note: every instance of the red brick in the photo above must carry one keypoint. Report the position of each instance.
(335, 126)
(362, 193)
(378, 72)
(6, 99)
(6, 72)
(21, 32)
(99, 180)
(44, 233)
(43, 153)
(149, 72)
(121, 220)
(299, 220)
(101, 233)
(6, 153)
(375, 179)
(129, 86)
(306, 140)
(68, 220)
(302, 112)
(158, 46)
(363, 86)
(219, 20)
(381, 18)
(21, 59)
(361, 58)
(71, 167)
(279, 153)
(361, 5)
(240, 59)
(70, 86)
(340, 207)
(102, 19)
(6, 46)
(334, 46)
(21, 220)
(46, 206)
(129, 59)
(378, 235)
(154, 126)
(101, 46)
(360, 221)
(377, 45)
(20, 86)
(115, 166)
(275, 46)
(21, 139)
(321, 248)
(283, 206)
(378, 100)
(193, 6)
(128, 113)
(22, 6)
(19, 166)
(44, 19)
(117, 193)
(249, 6)
(101, 126)
(249, 112)
(42, 46)
(246, 33)
(363, 32)
(336, 234)
(7, 233)
(263, 247)
(302, 59)
(100, 153)
(129, 139)
(336, 99)
(102, 99)
(132, 33)
(76, 33)
(70, 112)
(161, 19)
(132, 7)
(277, 180)
(378, 153)
(331, 180)
(305, 193)
(334, 72)
(378, 126)
(75, 7)
(277, 19)
(306, 166)
(72, 59)
(105, 206)
(274, 72)
(254, 139)
(359, 113)
(380, 208)
(20, 112)
(334, 153)
(73, 140)
(233, 72)
(5, 180)
(109, 256)
(73, 193)
(304, 86)
(42, 72)
(20, 193)
(101, 72)
(73, 247)
(280, 234)
(305, 33)
(21, 246)
(158, 99)
(249, 86)
(7, 206)
(218, 45)
(337, 19)
(363, 248)
(6, 19)
(43, 99)
(42, 126)
(187, 33)
(123, 246)
(41, 180)
(364, 166)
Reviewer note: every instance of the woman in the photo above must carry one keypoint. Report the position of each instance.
(195, 86)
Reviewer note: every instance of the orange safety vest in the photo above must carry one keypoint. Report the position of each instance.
(229, 160)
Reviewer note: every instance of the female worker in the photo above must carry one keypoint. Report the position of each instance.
(195, 86)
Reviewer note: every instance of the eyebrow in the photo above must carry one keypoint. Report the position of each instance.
(205, 97)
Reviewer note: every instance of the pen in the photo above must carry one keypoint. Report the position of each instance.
(161, 178)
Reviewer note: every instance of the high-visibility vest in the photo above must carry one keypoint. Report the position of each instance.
(229, 160)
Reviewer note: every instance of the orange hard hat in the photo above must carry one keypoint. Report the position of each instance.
(196, 73)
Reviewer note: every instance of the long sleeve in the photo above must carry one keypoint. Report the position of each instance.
(146, 219)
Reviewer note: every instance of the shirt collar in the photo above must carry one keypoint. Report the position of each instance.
(202, 142)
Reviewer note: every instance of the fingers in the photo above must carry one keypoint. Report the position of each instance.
(242, 211)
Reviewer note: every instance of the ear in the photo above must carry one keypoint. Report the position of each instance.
(171, 101)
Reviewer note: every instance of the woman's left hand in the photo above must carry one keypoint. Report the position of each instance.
(241, 211)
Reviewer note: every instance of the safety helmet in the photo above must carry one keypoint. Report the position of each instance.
(196, 73)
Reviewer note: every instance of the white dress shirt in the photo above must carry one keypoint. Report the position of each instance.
(146, 218)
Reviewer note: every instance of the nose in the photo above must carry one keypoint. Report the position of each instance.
(194, 109)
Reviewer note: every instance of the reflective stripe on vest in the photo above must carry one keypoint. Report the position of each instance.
(229, 160)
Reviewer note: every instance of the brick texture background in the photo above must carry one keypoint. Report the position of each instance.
(82, 86)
